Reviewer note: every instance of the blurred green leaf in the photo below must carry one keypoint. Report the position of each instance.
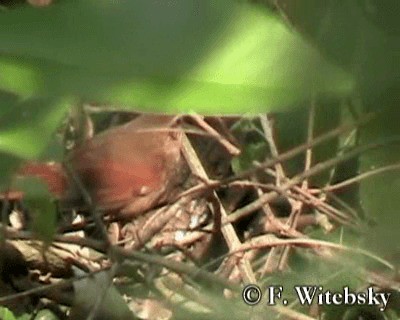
(251, 153)
(26, 125)
(6, 314)
(45, 315)
(203, 56)
(380, 193)
(8, 164)
(253, 144)
(363, 36)
(291, 130)
(39, 201)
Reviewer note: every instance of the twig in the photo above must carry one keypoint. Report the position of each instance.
(233, 150)
(318, 203)
(268, 133)
(360, 177)
(318, 168)
(271, 162)
(227, 230)
(42, 289)
(92, 207)
(102, 295)
(266, 241)
(299, 149)
(178, 267)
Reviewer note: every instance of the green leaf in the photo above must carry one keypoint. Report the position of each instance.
(6, 314)
(362, 36)
(181, 56)
(39, 201)
(380, 193)
(8, 164)
(253, 145)
(45, 315)
(26, 126)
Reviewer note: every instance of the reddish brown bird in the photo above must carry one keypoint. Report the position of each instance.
(127, 169)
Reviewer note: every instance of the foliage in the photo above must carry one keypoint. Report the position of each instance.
(216, 57)
(6, 314)
(204, 57)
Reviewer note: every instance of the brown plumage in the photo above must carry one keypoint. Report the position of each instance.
(126, 169)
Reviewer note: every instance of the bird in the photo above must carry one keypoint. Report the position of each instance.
(126, 170)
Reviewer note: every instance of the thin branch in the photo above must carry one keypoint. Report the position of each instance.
(320, 204)
(102, 295)
(360, 177)
(227, 230)
(318, 168)
(295, 214)
(213, 184)
(310, 135)
(299, 149)
(266, 124)
(233, 150)
(267, 241)
(91, 205)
